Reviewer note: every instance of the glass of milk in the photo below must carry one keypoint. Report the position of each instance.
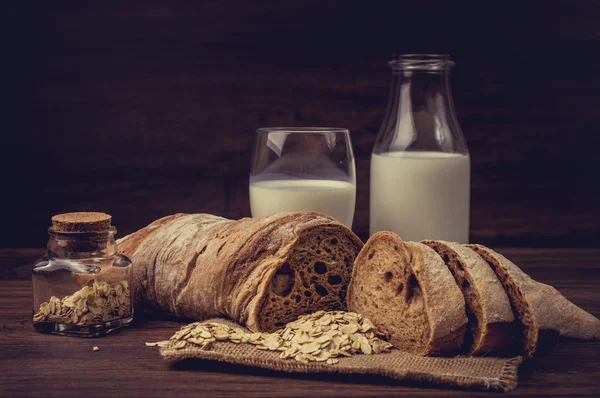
(303, 169)
(420, 166)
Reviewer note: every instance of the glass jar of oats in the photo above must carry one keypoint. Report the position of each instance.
(82, 286)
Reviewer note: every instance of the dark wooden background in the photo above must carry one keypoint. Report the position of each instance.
(143, 109)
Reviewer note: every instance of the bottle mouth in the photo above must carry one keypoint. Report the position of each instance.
(424, 62)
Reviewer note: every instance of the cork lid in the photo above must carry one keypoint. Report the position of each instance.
(81, 222)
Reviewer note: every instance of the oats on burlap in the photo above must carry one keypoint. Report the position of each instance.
(318, 337)
(97, 302)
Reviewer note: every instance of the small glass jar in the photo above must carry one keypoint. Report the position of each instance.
(82, 286)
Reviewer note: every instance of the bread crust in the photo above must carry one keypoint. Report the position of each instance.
(492, 310)
(201, 265)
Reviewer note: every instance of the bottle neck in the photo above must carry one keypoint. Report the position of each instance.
(420, 115)
(80, 245)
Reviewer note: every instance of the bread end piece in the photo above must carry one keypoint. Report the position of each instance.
(565, 317)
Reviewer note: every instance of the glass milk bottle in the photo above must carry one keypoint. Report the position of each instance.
(420, 166)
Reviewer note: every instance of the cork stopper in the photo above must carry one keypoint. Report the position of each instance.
(81, 222)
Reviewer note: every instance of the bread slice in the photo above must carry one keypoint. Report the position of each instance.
(538, 307)
(488, 309)
(407, 291)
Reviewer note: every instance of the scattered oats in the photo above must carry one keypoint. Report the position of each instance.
(323, 356)
(272, 342)
(287, 334)
(221, 335)
(310, 348)
(324, 321)
(344, 353)
(311, 358)
(301, 358)
(322, 337)
(349, 329)
(179, 345)
(206, 344)
(196, 340)
(95, 348)
(304, 338)
(365, 346)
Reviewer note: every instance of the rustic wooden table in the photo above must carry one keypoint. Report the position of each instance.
(33, 364)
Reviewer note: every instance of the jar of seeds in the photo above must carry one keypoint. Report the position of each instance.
(82, 286)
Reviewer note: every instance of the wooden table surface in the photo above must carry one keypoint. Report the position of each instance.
(34, 364)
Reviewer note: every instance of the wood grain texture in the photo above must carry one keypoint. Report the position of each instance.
(33, 364)
(147, 109)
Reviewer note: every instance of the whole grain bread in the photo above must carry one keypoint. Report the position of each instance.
(538, 307)
(491, 319)
(261, 272)
(407, 291)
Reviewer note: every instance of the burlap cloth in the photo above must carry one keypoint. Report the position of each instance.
(465, 372)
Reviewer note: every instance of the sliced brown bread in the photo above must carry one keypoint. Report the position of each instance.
(538, 307)
(407, 291)
(488, 309)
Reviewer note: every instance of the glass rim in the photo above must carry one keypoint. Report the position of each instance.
(302, 130)
(426, 62)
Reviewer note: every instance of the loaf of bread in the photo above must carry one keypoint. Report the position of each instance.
(488, 309)
(407, 291)
(261, 272)
(539, 308)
